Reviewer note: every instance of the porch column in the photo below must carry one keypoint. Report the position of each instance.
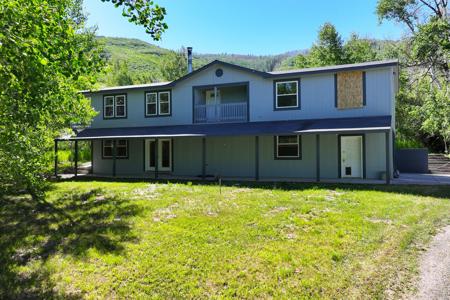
(317, 157)
(91, 171)
(256, 157)
(76, 158)
(203, 158)
(114, 159)
(388, 160)
(56, 158)
(156, 157)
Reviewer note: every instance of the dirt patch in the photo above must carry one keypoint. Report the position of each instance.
(434, 277)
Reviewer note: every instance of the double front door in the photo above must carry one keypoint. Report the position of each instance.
(158, 152)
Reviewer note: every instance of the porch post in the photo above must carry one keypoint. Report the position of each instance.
(92, 157)
(56, 158)
(76, 158)
(114, 159)
(203, 158)
(317, 157)
(388, 161)
(257, 158)
(156, 157)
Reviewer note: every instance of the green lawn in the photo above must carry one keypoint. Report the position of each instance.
(168, 240)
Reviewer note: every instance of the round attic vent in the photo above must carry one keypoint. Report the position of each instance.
(219, 72)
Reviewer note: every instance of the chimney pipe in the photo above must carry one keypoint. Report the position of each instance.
(189, 59)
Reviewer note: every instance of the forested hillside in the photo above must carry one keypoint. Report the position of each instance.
(141, 62)
(132, 61)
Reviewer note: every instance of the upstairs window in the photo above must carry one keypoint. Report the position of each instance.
(350, 91)
(164, 103)
(115, 106)
(157, 104)
(121, 149)
(286, 94)
(151, 104)
(287, 147)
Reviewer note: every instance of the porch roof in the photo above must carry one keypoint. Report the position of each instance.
(340, 125)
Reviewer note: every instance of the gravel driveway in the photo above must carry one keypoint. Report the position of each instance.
(435, 269)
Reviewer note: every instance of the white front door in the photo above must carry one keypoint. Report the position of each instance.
(352, 156)
(164, 154)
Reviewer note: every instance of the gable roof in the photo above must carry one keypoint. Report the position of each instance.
(275, 74)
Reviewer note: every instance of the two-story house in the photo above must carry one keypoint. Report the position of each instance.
(234, 122)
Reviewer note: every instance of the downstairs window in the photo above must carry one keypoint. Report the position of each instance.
(287, 147)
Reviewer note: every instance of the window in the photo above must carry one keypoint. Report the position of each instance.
(108, 104)
(115, 106)
(157, 104)
(121, 149)
(164, 103)
(287, 146)
(286, 94)
(108, 148)
(150, 104)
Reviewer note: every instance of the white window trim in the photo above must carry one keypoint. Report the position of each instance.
(126, 148)
(112, 147)
(112, 105)
(147, 102)
(124, 106)
(158, 148)
(285, 144)
(276, 94)
(159, 103)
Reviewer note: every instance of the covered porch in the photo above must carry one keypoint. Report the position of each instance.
(245, 151)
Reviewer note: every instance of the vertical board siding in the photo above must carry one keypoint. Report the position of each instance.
(316, 91)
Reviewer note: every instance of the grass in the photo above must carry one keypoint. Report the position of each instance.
(184, 240)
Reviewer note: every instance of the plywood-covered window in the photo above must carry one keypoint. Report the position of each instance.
(350, 89)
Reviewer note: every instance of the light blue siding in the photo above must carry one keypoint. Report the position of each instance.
(375, 155)
(316, 96)
(235, 157)
(329, 156)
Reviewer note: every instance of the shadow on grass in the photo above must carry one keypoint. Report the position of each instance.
(437, 191)
(31, 232)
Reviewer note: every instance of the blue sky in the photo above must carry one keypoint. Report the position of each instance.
(247, 26)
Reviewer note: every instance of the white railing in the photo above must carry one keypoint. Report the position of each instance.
(225, 112)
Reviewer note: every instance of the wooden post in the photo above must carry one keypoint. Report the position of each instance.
(76, 158)
(92, 157)
(114, 158)
(388, 161)
(256, 158)
(156, 157)
(56, 158)
(203, 158)
(317, 157)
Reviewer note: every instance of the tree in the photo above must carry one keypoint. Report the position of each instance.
(436, 109)
(426, 57)
(328, 50)
(144, 13)
(120, 74)
(359, 50)
(174, 65)
(46, 57)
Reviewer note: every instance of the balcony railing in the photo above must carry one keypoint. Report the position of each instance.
(225, 112)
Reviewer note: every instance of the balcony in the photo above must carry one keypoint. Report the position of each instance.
(221, 104)
(218, 113)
